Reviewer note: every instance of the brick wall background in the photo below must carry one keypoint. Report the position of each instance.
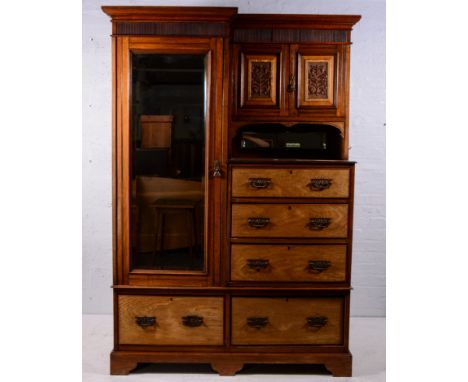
(367, 141)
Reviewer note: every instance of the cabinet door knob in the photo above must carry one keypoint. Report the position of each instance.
(257, 322)
(318, 224)
(291, 83)
(258, 222)
(258, 264)
(320, 184)
(192, 321)
(145, 321)
(260, 182)
(317, 321)
(318, 266)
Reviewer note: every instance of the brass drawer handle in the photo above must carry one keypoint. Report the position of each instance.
(318, 266)
(258, 264)
(318, 224)
(317, 321)
(257, 322)
(320, 184)
(258, 222)
(192, 321)
(145, 321)
(260, 182)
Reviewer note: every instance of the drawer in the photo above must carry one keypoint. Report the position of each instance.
(258, 262)
(290, 220)
(287, 321)
(166, 320)
(290, 182)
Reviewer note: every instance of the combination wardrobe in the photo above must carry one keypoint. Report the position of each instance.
(232, 189)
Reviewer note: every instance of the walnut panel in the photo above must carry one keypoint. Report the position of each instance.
(287, 321)
(316, 80)
(290, 35)
(168, 328)
(259, 79)
(169, 29)
(290, 220)
(310, 183)
(251, 262)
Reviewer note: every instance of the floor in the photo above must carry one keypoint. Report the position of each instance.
(367, 346)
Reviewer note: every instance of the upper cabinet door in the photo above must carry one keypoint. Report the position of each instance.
(316, 80)
(320, 72)
(289, 81)
(169, 146)
(258, 79)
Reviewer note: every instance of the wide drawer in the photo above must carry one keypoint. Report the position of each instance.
(166, 320)
(289, 220)
(287, 321)
(259, 262)
(290, 182)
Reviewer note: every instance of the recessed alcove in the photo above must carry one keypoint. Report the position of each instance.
(299, 141)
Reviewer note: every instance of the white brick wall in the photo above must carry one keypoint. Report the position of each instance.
(367, 124)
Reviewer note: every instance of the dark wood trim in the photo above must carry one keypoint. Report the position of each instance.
(312, 291)
(251, 240)
(227, 363)
(225, 189)
(247, 35)
(179, 14)
(306, 162)
(290, 21)
(170, 29)
(115, 177)
(286, 200)
(350, 224)
(238, 348)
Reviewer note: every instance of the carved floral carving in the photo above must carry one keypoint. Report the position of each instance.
(260, 81)
(317, 85)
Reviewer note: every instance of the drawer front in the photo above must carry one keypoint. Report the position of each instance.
(251, 262)
(287, 321)
(290, 220)
(302, 183)
(166, 320)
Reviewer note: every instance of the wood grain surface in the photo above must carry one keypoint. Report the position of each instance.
(289, 220)
(168, 312)
(287, 321)
(288, 262)
(290, 182)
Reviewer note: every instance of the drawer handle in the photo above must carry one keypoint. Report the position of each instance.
(257, 322)
(260, 182)
(258, 222)
(318, 224)
(258, 264)
(192, 321)
(317, 321)
(145, 321)
(320, 184)
(318, 266)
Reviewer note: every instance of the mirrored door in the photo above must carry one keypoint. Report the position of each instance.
(168, 129)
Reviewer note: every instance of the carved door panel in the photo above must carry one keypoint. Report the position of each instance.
(259, 82)
(320, 72)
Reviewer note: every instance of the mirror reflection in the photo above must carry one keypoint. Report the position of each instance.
(168, 148)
